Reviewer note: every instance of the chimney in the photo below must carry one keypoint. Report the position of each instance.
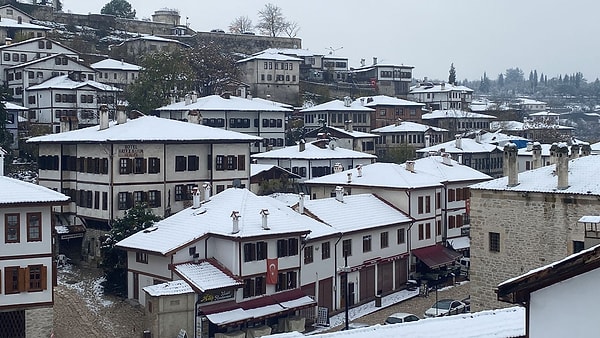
(398, 121)
(349, 177)
(458, 141)
(348, 126)
(194, 97)
(121, 115)
(301, 203)
(338, 168)
(188, 100)
(478, 137)
(553, 149)
(301, 145)
(562, 166)
(537, 155)
(7, 41)
(529, 146)
(410, 166)
(67, 123)
(374, 60)
(586, 149)
(339, 193)
(347, 101)
(443, 85)
(427, 141)
(510, 164)
(575, 151)
(264, 213)
(194, 116)
(206, 187)
(359, 170)
(103, 117)
(446, 159)
(235, 217)
(196, 198)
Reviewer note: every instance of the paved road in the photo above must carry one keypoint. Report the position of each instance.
(416, 305)
(80, 309)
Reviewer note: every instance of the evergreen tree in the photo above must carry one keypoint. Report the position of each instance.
(6, 138)
(114, 260)
(500, 80)
(119, 8)
(484, 85)
(452, 74)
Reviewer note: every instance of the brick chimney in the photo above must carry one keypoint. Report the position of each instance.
(103, 117)
(537, 155)
(235, 218)
(339, 193)
(562, 166)
(510, 164)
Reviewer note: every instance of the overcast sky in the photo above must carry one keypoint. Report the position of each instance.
(553, 37)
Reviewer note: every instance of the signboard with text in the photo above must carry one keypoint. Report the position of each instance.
(130, 150)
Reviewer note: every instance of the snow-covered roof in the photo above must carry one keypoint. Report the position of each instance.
(11, 106)
(205, 276)
(273, 103)
(289, 199)
(215, 218)
(218, 103)
(407, 126)
(290, 51)
(115, 64)
(270, 56)
(589, 219)
(7, 23)
(500, 138)
(544, 113)
(384, 175)
(529, 101)
(435, 88)
(459, 243)
(312, 151)
(15, 191)
(177, 287)
(338, 105)
(501, 323)
(467, 145)
(353, 133)
(454, 114)
(452, 172)
(147, 129)
(516, 125)
(384, 100)
(545, 180)
(355, 212)
(64, 82)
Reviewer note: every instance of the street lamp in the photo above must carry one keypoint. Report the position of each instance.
(345, 269)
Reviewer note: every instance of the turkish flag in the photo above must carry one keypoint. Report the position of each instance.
(272, 271)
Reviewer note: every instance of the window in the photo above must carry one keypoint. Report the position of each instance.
(179, 192)
(180, 163)
(420, 205)
(421, 232)
(286, 280)
(249, 252)
(193, 163)
(367, 243)
(104, 200)
(124, 201)
(141, 257)
(34, 227)
(578, 246)
(427, 230)
(138, 197)
(219, 162)
(287, 247)
(37, 278)
(231, 162)
(125, 166)
(6, 56)
(249, 288)
(427, 204)
(241, 162)
(12, 228)
(96, 200)
(153, 165)
(154, 198)
(384, 239)
(139, 165)
(451, 222)
(11, 280)
(308, 254)
(438, 228)
(325, 250)
(401, 236)
(261, 251)
(494, 242)
(451, 195)
(347, 247)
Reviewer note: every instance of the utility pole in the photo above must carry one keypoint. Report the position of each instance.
(346, 286)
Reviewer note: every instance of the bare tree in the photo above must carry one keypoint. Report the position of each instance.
(291, 29)
(240, 25)
(272, 22)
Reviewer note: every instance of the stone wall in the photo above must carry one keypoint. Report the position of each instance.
(39, 322)
(535, 230)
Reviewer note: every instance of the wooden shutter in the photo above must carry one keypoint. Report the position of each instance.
(0, 281)
(23, 279)
(44, 277)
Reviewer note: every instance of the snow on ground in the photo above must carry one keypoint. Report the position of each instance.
(89, 289)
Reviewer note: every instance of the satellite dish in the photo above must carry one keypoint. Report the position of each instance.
(237, 183)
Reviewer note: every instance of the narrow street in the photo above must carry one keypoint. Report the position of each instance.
(81, 310)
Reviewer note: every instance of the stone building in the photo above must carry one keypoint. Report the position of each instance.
(525, 220)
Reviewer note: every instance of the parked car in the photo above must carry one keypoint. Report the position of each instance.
(217, 30)
(401, 317)
(445, 307)
(467, 302)
(352, 326)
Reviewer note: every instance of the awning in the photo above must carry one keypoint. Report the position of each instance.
(436, 256)
(228, 313)
(460, 243)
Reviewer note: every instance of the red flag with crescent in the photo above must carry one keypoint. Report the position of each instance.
(272, 271)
